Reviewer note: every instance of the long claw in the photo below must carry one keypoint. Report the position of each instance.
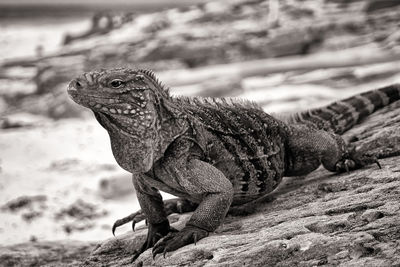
(179, 207)
(377, 163)
(156, 251)
(195, 238)
(113, 229)
(133, 225)
(135, 256)
(346, 167)
(164, 252)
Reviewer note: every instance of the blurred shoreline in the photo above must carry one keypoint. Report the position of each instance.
(27, 28)
(16, 12)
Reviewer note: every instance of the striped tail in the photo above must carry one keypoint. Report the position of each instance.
(340, 116)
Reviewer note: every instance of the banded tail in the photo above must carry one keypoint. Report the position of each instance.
(342, 115)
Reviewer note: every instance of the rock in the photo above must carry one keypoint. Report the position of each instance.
(381, 4)
(81, 210)
(57, 253)
(28, 207)
(23, 202)
(197, 36)
(18, 120)
(101, 23)
(115, 186)
(79, 215)
(372, 215)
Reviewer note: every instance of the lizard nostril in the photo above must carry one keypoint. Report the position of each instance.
(78, 85)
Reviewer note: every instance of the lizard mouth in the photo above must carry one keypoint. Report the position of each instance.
(72, 92)
(98, 103)
(107, 104)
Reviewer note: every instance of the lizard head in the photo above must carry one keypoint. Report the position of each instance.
(117, 92)
(125, 102)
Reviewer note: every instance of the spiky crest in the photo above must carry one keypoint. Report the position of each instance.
(211, 101)
(150, 74)
(218, 102)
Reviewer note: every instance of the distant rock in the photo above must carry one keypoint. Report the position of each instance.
(81, 210)
(79, 215)
(115, 186)
(29, 207)
(23, 202)
(18, 120)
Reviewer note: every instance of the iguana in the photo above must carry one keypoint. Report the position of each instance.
(212, 153)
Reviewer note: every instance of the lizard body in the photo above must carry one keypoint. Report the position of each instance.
(213, 153)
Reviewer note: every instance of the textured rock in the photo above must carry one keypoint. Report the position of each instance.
(321, 219)
(61, 253)
(381, 4)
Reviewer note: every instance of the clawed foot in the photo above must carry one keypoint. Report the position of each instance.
(355, 160)
(158, 231)
(175, 240)
(154, 234)
(175, 205)
(134, 217)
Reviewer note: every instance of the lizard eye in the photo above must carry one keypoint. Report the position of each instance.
(116, 83)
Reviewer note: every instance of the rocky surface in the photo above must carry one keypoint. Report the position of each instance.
(56, 253)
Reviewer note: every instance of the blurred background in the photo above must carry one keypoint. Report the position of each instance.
(58, 178)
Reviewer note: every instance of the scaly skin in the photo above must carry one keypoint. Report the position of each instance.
(211, 153)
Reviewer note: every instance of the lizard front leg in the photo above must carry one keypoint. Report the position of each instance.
(152, 206)
(200, 179)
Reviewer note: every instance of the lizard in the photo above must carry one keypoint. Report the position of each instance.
(212, 153)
